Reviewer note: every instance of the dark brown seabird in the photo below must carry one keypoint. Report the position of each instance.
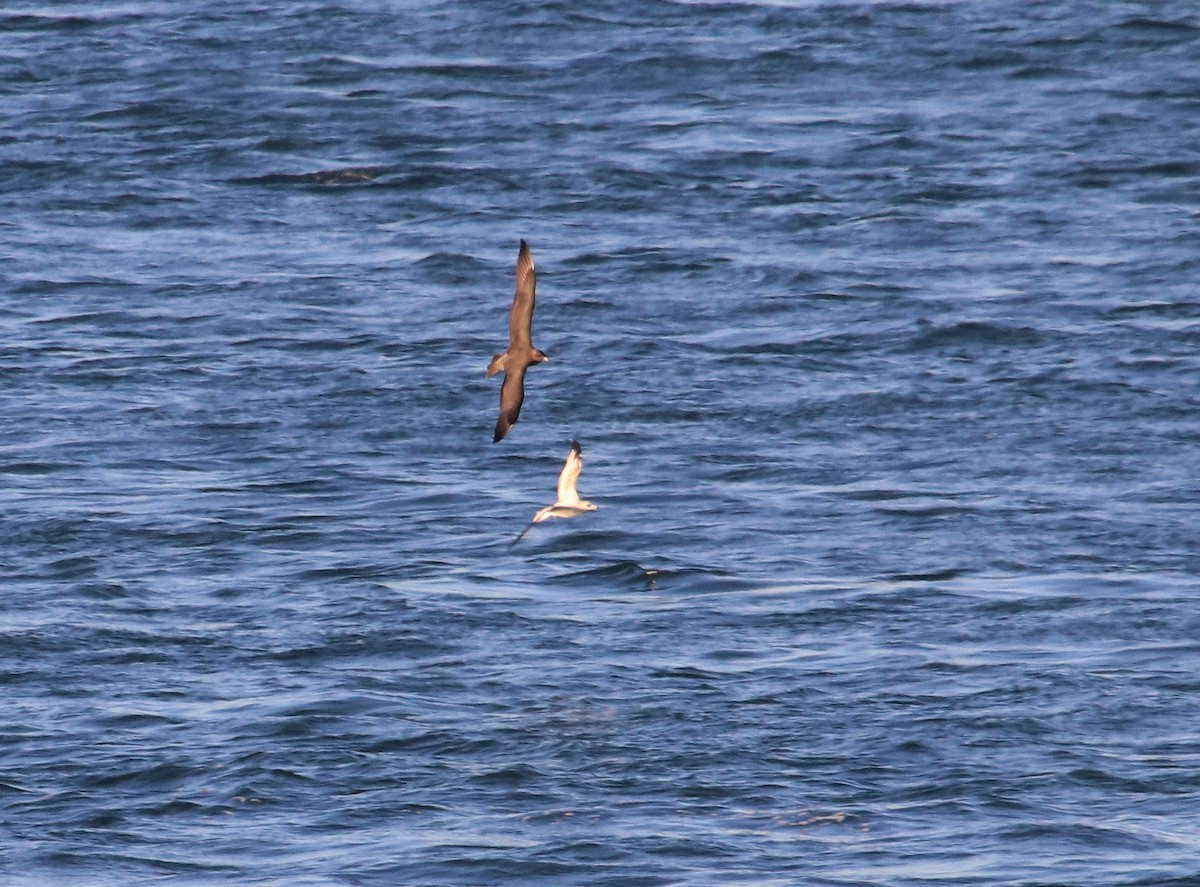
(520, 353)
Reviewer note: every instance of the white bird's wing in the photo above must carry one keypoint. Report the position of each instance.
(522, 534)
(567, 493)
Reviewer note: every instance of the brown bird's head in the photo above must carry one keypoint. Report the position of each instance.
(539, 355)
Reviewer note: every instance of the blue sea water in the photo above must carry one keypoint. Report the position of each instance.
(879, 325)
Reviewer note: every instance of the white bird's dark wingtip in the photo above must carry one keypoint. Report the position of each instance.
(521, 535)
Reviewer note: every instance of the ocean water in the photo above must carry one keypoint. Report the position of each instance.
(879, 325)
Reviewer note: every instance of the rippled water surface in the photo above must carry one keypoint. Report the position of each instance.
(879, 325)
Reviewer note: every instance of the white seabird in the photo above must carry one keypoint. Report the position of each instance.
(569, 504)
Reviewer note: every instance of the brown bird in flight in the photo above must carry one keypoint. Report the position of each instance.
(520, 353)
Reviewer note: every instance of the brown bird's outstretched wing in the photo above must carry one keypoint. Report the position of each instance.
(520, 319)
(512, 395)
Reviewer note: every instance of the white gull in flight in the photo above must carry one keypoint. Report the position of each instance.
(569, 504)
